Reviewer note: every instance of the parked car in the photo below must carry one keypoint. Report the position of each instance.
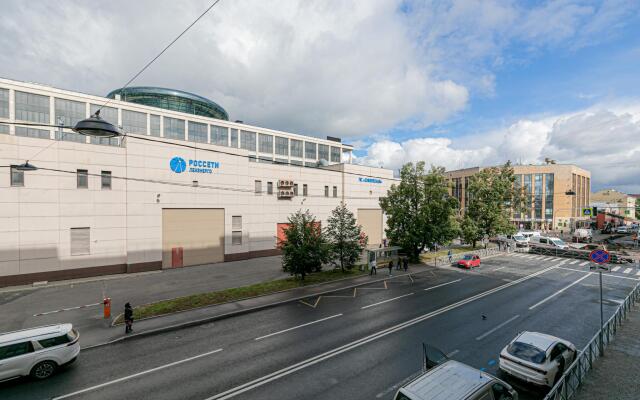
(583, 235)
(622, 229)
(537, 358)
(453, 380)
(469, 261)
(37, 352)
(551, 241)
(529, 234)
(520, 240)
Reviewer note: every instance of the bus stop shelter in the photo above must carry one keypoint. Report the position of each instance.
(380, 257)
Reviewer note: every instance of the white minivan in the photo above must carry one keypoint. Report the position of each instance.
(37, 352)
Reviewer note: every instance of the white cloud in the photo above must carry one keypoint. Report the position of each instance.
(602, 139)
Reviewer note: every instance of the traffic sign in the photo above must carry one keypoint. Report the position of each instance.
(587, 212)
(599, 256)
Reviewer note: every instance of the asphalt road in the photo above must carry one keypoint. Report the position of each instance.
(360, 344)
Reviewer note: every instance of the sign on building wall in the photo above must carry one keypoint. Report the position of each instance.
(369, 180)
(179, 165)
(587, 212)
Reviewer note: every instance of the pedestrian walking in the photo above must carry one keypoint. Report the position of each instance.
(128, 318)
(450, 255)
(405, 263)
(373, 269)
(390, 267)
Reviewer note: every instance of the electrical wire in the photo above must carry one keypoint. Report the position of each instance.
(163, 50)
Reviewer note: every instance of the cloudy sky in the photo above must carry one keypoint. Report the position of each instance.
(454, 83)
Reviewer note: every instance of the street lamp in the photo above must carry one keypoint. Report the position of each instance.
(26, 167)
(96, 126)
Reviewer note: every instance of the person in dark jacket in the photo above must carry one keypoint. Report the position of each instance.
(405, 263)
(390, 267)
(128, 318)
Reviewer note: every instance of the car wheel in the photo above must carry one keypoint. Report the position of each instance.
(43, 369)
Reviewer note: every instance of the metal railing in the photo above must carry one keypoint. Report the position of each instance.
(459, 256)
(567, 386)
(573, 253)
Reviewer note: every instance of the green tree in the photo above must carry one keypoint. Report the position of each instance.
(419, 210)
(304, 249)
(345, 238)
(492, 198)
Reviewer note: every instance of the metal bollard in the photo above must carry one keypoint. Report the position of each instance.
(106, 307)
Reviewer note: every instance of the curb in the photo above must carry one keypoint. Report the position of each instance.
(230, 314)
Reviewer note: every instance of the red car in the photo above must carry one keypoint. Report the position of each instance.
(469, 261)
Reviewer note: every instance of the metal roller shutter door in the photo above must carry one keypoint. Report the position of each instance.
(371, 221)
(200, 233)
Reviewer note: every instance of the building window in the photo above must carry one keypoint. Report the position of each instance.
(269, 187)
(335, 154)
(323, 152)
(258, 186)
(295, 189)
(198, 132)
(134, 122)
(266, 143)
(80, 241)
(173, 128)
(69, 112)
(4, 103)
(296, 162)
(296, 148)
(248, 140)
(305, 190)
(32, 132)
(154, 125)
(4, 129)
(17, 177)
(82, 178)
(68, 136)
(326, 191)
(310, 151)
(105, 180)
(220, 135)
(282, 146)
(236, 238)
(32, 107)
(335, 191)
(234, 138)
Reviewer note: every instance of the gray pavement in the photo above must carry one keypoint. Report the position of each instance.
(615, 376)
(349, 344)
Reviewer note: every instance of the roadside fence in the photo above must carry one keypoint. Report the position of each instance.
(572, 253)
(568, 385)
(459, 256)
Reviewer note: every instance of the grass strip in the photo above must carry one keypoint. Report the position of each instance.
(234, 294)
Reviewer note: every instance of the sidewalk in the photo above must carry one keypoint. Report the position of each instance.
(615, 376)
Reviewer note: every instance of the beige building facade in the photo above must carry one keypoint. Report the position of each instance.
(557, 194)
(614, 202)
(152, 201)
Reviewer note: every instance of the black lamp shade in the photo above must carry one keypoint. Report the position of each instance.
(26, 167)
(96, 126)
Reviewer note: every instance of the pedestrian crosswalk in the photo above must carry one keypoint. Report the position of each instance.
(629, 271)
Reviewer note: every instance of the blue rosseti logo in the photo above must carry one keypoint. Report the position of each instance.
(178, 165)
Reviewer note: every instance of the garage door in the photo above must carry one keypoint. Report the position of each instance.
(371, 221)
(199, 232)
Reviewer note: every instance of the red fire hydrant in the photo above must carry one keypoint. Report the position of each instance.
(106, 305)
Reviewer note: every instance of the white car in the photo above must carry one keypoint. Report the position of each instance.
(537, 358)
(520, 240)
(622, 229)
(38, 352)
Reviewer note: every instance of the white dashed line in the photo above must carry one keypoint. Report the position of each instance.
(614, 269)
(296, 327)
(573, 262)
(442, 284)
(582, 264)
(559, 291)
(626, 271)
(638, 273)
(489, 332)
(386, 301)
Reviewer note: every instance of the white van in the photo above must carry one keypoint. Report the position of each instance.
(529, 234)
(552, 241)
(452, 380)
(38, 352)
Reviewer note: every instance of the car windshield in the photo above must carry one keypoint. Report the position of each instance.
(467, 257)
(558, 242)
(519, 237)
(526, 352)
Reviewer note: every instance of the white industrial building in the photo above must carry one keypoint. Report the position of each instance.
(165, 196)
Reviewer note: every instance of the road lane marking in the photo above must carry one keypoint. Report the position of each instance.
(614, 269)
(125, 378)
(442, 284)
(490, 331)
(66, 309)
(604, 275)
(638, 273)
(245, 387)
(573, 262)
(582, 264)
(453, 353)
(296, 327)
(560, 291)
(626, 271)
(386, 301)
(497, 269)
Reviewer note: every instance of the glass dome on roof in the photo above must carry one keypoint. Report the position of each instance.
(171, 99)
